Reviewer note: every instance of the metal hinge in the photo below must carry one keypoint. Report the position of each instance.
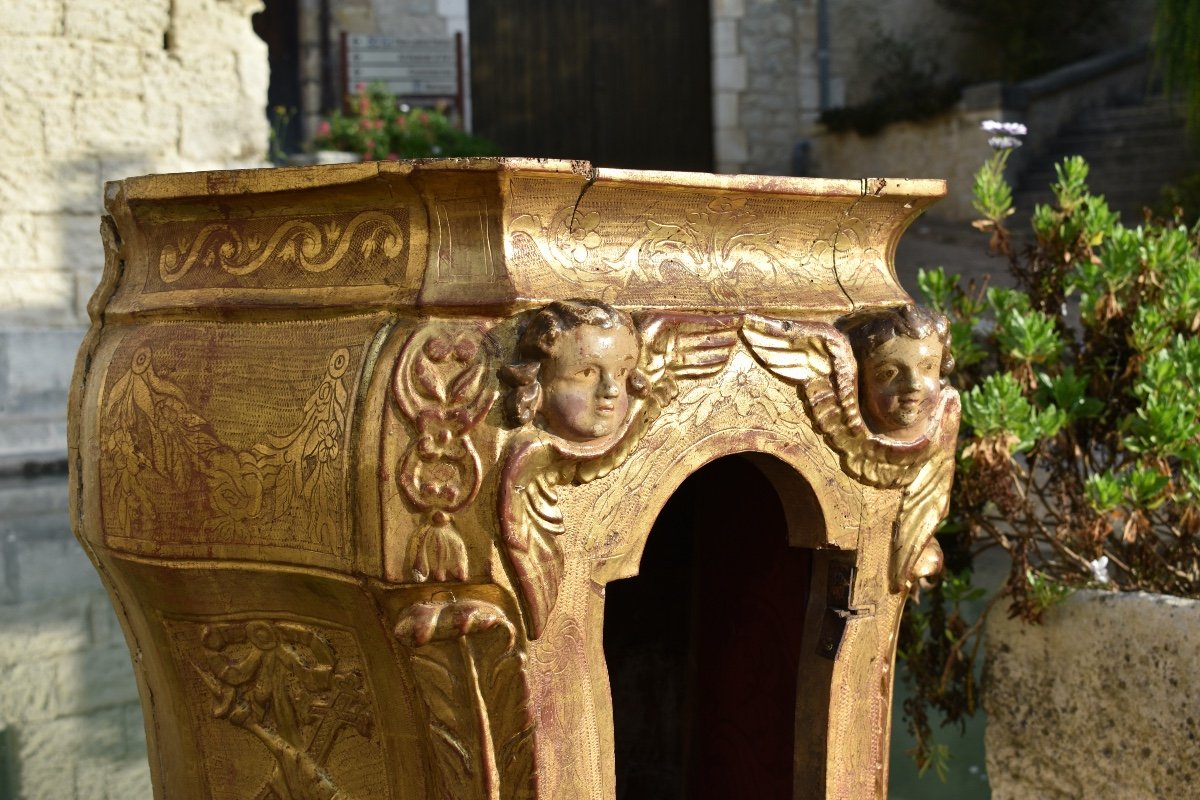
(838, 611)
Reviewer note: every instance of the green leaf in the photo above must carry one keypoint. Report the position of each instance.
(937, 288)
(993, 195)
(1044, 590)
(1144, 487)
(997, 407)
(1104, 492)
(1069, 392)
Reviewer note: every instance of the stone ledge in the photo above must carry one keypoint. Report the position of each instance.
(1101, 701)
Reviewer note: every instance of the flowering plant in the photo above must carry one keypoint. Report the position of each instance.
(380, 128)
(1079, 455)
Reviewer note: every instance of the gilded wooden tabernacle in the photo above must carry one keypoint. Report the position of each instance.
(357, 449)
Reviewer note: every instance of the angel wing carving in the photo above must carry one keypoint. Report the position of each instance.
(817, 358)
(922, 508)
(674, 347)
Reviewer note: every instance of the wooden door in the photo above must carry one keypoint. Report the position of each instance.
(621, 83)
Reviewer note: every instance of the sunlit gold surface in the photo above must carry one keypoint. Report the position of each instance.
(354, 516)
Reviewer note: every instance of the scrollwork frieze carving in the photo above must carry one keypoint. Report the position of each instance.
(313, 247)
(725, 245)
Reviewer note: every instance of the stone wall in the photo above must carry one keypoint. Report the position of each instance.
(767, 92)
(70, 720)
(89, 91)
(1101, 701)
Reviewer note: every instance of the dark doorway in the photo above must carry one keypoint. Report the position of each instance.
(622, 83)
(703, 646)
(278, 24)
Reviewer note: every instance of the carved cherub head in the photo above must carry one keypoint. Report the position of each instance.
(903, 359)
(578, 363)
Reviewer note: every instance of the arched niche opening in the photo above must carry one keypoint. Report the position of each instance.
(704, 645)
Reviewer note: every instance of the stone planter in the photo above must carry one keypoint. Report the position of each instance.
(357, 449)
(1101, 701)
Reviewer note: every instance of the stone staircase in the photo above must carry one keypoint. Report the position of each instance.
(1133, 150)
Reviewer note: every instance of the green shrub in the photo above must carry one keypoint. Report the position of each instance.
(1079, 453)
(380, 128)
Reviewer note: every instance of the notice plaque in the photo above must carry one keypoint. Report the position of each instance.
(408, 67)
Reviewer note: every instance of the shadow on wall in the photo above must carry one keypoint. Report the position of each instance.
(69, 712)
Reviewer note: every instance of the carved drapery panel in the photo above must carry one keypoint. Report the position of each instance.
(268, 395)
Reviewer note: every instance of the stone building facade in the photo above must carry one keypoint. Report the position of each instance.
(91, 91)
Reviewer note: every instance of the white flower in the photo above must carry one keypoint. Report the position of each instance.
(405, 108)
(1100, 570)
(1009, 128)
(1004, 142)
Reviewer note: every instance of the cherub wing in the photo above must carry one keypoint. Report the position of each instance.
(674, 347)
(530, 524)
(923, 506)
(817, 358)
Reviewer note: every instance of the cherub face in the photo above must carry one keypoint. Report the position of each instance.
(585, 381)
(901, 384)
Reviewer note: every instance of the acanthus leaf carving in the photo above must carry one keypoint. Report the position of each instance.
(915, 552)
(671, 347)
(440, 386)
(471, 676)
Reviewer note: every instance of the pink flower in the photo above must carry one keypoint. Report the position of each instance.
(378, 124)
(365, 124)
(402, 122)
(423, 118)
(323, 128)
(364, 105)
(360, 87)
(393, 157)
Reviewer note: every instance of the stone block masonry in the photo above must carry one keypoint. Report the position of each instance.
(69, 708)
(89, 92)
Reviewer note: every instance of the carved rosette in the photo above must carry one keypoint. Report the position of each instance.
(441, 386)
